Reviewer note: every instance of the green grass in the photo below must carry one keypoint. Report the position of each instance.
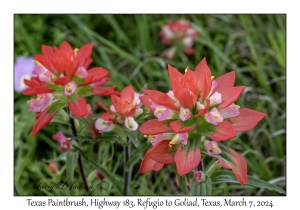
(129, 47)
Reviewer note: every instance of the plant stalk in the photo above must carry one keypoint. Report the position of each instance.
(79, 160)
(126, 173)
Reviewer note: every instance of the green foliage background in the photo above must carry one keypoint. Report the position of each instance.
(129, 47)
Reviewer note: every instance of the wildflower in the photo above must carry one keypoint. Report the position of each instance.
(203, 106)
(178, 32)
(64, 73)
(124, 109)
(23, 70)
(65, 143)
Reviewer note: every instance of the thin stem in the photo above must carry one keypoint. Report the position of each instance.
(200, 167)
(79, 160)
(213, 168)
(126, 173)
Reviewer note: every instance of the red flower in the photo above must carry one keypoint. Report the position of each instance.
(125, 107)
(63, 72)
(196, 106)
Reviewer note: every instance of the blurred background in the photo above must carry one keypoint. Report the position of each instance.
(131, 48)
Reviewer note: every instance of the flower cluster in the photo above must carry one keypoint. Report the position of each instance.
(124, 109)
(178, 32)
(197, 106)
(62, 79)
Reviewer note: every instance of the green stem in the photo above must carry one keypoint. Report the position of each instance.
(212, 168)
(126, 172)
(79, 160)
(120, 132)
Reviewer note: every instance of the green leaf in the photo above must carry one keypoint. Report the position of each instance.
(133, 137)
(84, 91)
(204, 127)
(136, 156)
(61, 117)
(182, 184)
(229, 177)
(208, 186)
(109, 176)
(55, 87)
(122, 140)
(203, 188)
(196, 188)
(225, 155)
(88, 122)
(72, 157)
(56, 106)
(104, 137)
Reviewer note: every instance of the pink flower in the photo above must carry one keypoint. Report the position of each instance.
(181, 31)
(65, 143)
(198, 176)
(40, 103)
(212, 148)
(70, 88)
(214, 117)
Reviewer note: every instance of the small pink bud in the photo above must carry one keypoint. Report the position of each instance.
(162, 113)
(82, 72)
(65, 145)
(59, 136)
(189, 187)
(185, 114)
(52, 167)
(198, 176)
(216, 98)
(231, 111)
(214, 84)
(214, 117)
(179, 138)
(212, 148)
(100, 175)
